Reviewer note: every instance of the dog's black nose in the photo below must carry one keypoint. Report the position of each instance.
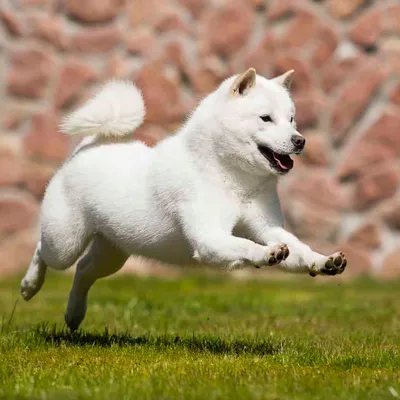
(299, 142)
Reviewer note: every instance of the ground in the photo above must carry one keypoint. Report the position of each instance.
(204, 337)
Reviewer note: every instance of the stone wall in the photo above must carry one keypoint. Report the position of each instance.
(346, 53)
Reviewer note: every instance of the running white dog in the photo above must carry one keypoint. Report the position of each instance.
(207, 194)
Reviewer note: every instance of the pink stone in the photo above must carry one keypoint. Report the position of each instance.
(93, 10)
(280, 8)
(161, 95)
(359, 261)
(315, 152)
(29, 73)
(364, 155)
(227, 28)
(368, 235)
(304, 26)
(375, 186)
(395, 95)
(391, 265)
(16, 212)
(308, 108)
(11, 22)
(10, 164)
(302, 78)
(96, 40)
(16, 251)
(44, 140)
(50, 29)
(344, 8)
(150, 134)
(355, 96)
(196, 7)
(74, 75)
(336, 73)
(368, 27)
(141, 42)
(36, 176)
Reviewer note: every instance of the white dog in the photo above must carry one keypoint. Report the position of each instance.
(207, 194)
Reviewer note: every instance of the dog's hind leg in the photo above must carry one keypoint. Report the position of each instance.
(58, 250)
(34, 277)
(64, 236)
(103, 259)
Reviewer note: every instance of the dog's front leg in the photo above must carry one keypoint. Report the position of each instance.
(209, 232)
(302, 258)
(225, 250)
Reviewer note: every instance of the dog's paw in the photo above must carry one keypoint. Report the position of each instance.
(275, 255)
(73, 320)
(29, 287)
(333, 265)
(279, 253)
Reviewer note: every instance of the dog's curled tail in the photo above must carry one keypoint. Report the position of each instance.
(116, 111)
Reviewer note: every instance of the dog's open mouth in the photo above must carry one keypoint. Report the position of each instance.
(281, 162)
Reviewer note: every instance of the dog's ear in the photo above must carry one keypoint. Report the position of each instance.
(244, 82)
(285, 79)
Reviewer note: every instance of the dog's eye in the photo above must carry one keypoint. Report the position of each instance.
(266, 118)
(291, 119)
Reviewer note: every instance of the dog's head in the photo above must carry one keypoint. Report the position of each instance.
(256, 118)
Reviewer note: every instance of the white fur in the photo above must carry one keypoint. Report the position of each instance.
(205, 194)
(115, 112)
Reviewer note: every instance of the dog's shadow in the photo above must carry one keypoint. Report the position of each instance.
(204, 343)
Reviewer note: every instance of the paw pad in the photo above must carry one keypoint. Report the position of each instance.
(272, 261)
(335, 264)
(278, 255)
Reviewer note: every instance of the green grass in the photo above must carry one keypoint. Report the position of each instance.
(205, 338)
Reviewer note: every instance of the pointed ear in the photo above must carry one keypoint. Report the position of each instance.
(285, 79)
(244, 82)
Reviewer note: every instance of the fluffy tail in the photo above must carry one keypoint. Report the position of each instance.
(116, 111)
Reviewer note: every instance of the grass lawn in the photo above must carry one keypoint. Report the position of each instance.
(205, 338)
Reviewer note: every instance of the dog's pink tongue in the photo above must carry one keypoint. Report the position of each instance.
(279, 162)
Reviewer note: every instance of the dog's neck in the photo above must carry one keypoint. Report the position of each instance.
(245, 185)
(197, 138)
